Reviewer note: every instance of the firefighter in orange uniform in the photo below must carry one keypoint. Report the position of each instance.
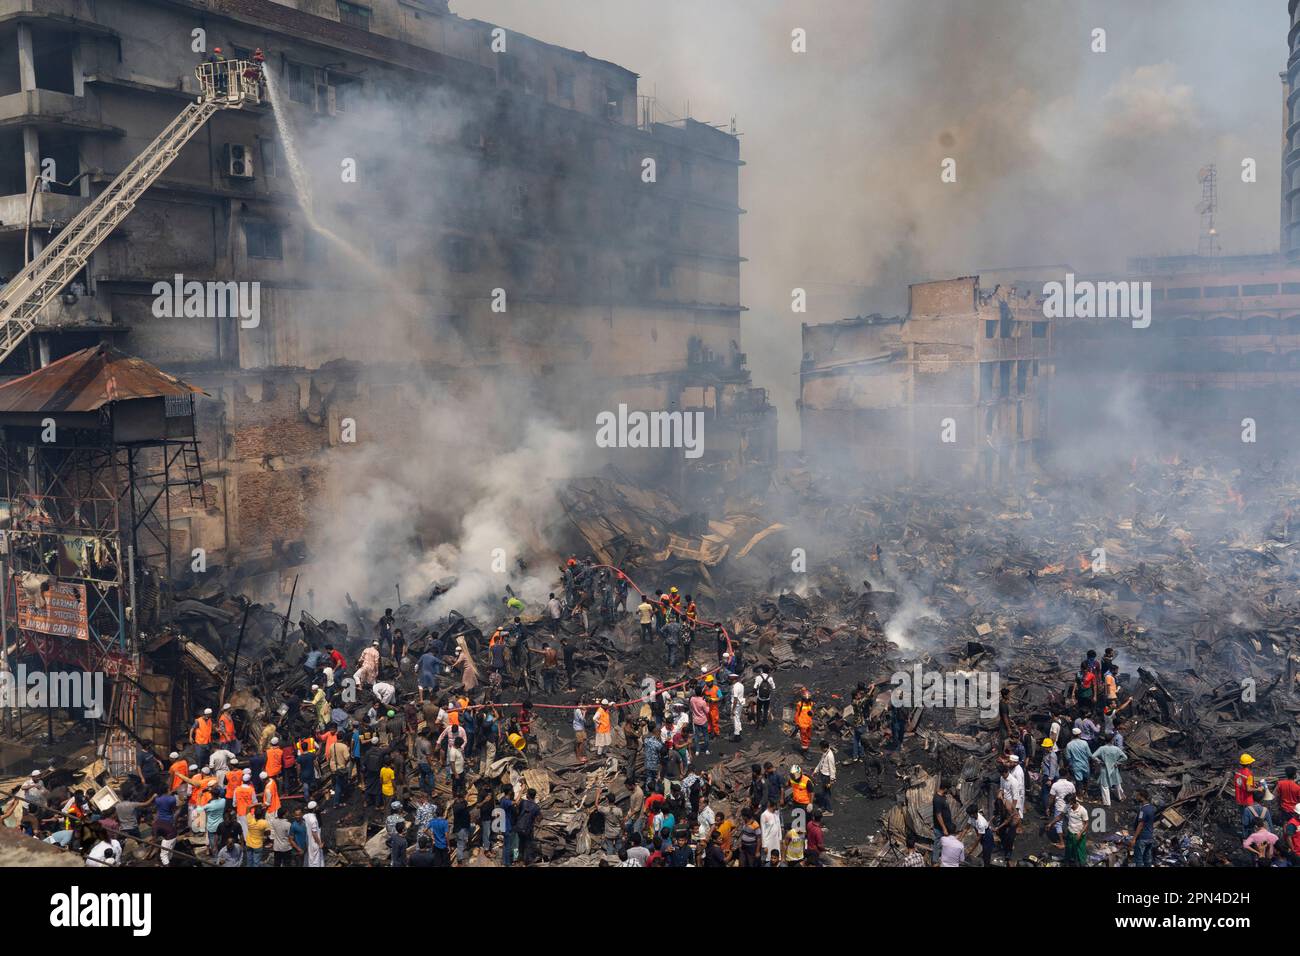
(270, 795)
(226, 730)
(803, 719)
(201, 736)
(274, 758)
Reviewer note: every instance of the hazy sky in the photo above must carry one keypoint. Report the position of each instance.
(1063, 155)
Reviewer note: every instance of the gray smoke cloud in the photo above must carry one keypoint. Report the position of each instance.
(1063, 155)
(452, 476)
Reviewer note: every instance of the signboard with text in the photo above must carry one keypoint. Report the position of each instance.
(64, 613)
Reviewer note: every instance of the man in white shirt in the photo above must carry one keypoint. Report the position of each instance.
(770, 823)
(105, 853)
(706, 819)
(1060, 795)
(951, 851)
(825, 774)
(1013, 784)
(385, 691)
(219, 760)
(737, 705)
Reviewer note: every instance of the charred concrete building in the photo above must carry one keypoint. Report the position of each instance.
(521, 168)
(956, 389)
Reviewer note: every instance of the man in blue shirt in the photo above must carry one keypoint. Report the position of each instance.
(438, 828)
(428, 679)
(1144, 830)
(298, 833)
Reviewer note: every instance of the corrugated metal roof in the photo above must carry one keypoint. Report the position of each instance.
(87, 380)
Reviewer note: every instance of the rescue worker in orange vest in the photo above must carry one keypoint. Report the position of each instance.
(675, 600)
(712, 695)
(199, 798)
(226, 730)
(201, 735)
(1245, 787)
(274, 758)
(178, 768)
(234, 776)
(604, 730)
(690, 614)
(270, 796)
(245, 797)
(800, 788)
(803, 719)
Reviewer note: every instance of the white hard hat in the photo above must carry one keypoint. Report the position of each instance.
(225, 706)
(311, 805)
(36, 773)
(207, 711)
(275, 740)
(173, 755)
(315, 686)
(194, 766)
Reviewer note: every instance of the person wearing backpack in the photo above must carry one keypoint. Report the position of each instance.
(764, 688)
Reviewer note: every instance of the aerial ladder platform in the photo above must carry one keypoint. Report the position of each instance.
(224, 85)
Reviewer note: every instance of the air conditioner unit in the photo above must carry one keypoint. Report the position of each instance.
(239, 161)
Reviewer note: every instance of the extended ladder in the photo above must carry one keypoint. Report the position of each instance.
(225, 85)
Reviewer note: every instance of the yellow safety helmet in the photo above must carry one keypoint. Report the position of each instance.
(1048, 742)
(1247, 760)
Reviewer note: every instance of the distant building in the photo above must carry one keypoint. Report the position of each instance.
(954, 390)
(1223, 345)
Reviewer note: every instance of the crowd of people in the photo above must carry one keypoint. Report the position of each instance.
(415, 737)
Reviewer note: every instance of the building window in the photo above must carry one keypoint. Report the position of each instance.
(665, 270)
(1290, 288)
(1220, 291)
(301, 88)
(262, 240)
(1266, 288)
(990, 328)
(1189, 292)
(354, 15)
(1038, 330)
(268, 154)
(564, 86)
